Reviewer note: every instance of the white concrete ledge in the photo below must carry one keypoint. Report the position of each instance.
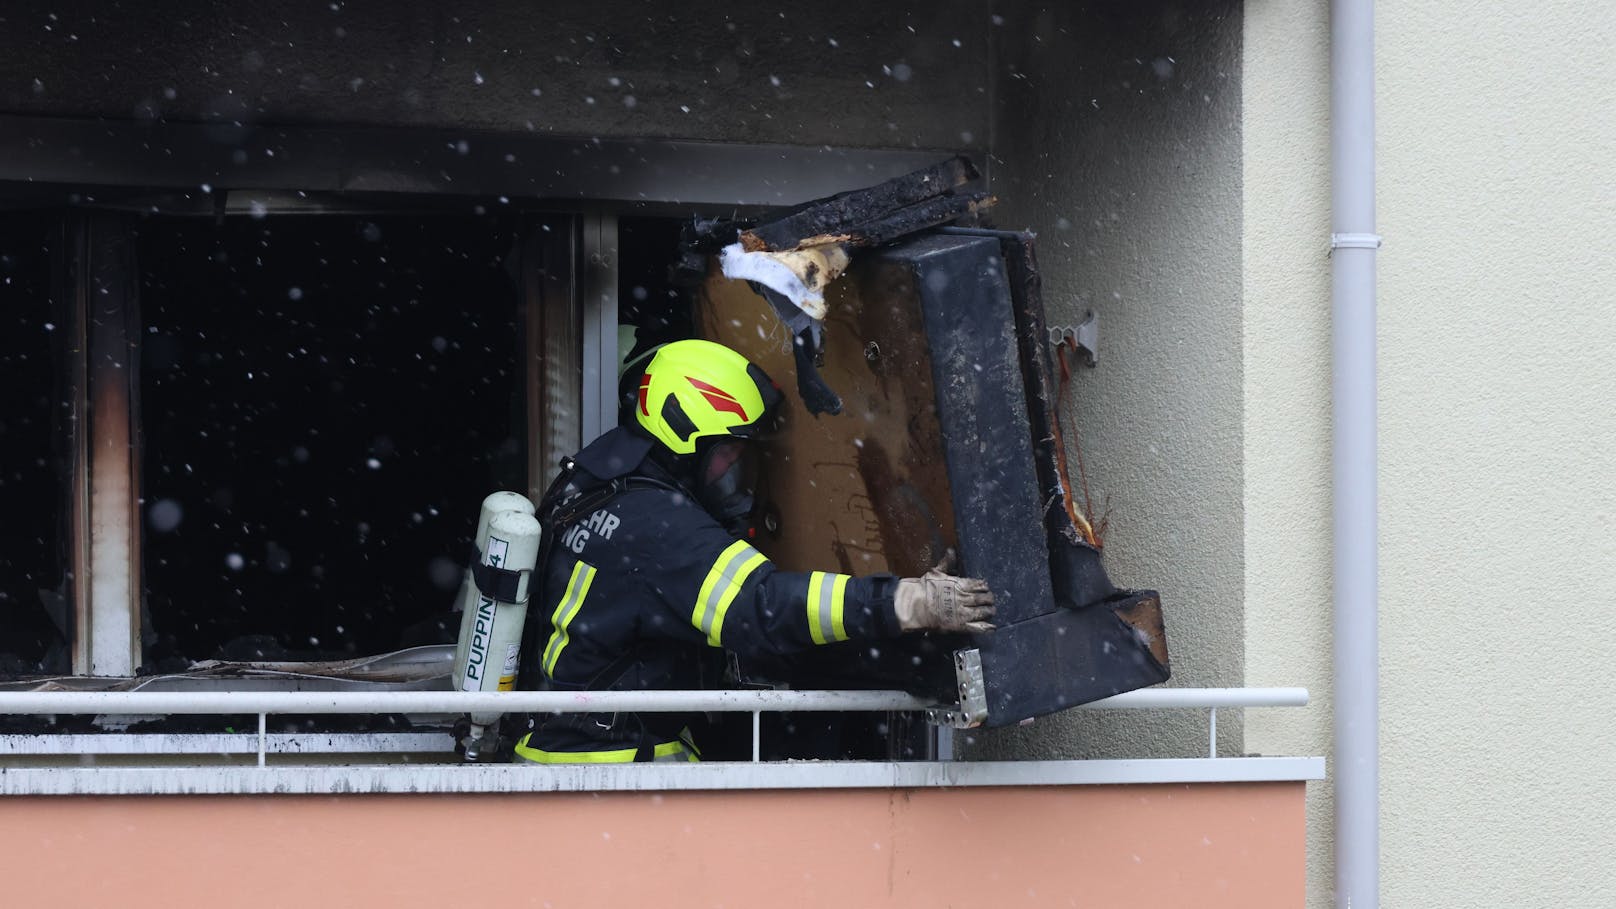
(510, 778)
(172, 744)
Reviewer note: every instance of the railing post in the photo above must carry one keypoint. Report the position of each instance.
(262, 737)
(757, 735)
(1212, 737)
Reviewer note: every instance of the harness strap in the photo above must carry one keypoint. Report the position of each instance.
(493, 582)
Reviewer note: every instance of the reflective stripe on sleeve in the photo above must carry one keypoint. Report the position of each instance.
(838, 602)
(729, 572)
(577, 588)
(827, 597)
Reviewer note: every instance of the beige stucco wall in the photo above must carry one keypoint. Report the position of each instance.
(1498, 438)
(1497, 199)
(1285, 344)
(1117, 139)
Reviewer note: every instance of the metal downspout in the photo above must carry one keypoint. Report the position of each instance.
(1353, 241)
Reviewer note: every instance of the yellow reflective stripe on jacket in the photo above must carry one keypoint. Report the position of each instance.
(565, 611)
(667, 752)
(827, 597)
(838, 599)
(729, 572)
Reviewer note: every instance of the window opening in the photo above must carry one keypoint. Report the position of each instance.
(652, 308)
(35, 406)
(325, 400)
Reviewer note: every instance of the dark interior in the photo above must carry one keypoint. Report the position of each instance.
(325, 401)
(33, 469)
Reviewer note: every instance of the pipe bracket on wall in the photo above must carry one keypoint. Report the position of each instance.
(1355, 241)
(1085, 337)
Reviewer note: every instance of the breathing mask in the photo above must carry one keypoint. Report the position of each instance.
(726, 482)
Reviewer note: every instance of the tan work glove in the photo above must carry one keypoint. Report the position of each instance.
(941, 602)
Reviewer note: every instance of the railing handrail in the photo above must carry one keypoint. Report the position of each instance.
(145, 703)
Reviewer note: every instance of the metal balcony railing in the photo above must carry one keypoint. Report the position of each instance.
(262, 704)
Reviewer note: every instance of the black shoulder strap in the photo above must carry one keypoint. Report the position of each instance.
(562, 514)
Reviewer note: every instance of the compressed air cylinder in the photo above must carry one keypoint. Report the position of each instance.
(488, 650)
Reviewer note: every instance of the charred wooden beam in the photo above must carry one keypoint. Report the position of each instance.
(911, 220)
(844, 215)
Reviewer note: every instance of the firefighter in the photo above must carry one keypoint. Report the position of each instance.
(649, 569)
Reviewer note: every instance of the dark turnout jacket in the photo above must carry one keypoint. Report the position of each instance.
(641, 586)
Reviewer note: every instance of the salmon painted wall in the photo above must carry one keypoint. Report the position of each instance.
(1220, 845)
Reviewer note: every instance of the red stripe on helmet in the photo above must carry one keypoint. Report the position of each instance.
(645, 391)
(719, 398)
